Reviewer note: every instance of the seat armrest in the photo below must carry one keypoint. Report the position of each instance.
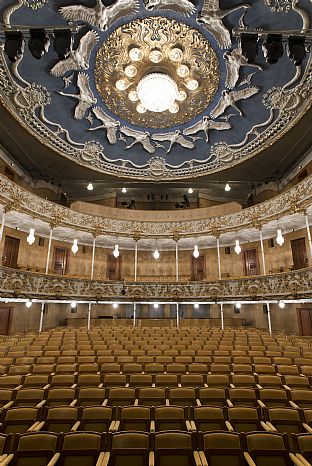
(294, 405)
(7, 406)
(105, 460)
(249, 459)
(100, 458)
(167, 402)
(198, 403)
(307, 428)
(179, 385)
(39, 405)
(52, 373)
(74, 402)
(136, 402)
(105, 402)
(303, 460)
(33, 426)
(7, 460)
(260, 403)
(100, 385)
(259, 386)
(229, 426)
(297, 461)
(39, 426)
(112, 426)
(273, 429)
(232, 385)
(53, 461)
(152, 427)
(151, 458)
(197, 458)
(203, 458)
(265, 426)
(75, 373)
(98, 373)
(46, 387)
(286, 387)
(127, 385)
(74, 385)
(188, 426)
(18, 387)
(116, 426)
(205, 385)
(193, 425)
(75, 426)
(229, 402)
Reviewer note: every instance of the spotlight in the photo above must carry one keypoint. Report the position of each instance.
(115, 305)
(249, 46)
(74, 247)
(90, 187)
(14, 45)
(196, 305)
(28, 303)
(296, 49)
(273, 48)
(39, 43)
(116, 251)
(280, 238)
(31, 237)
(281, 304)
(62, 43)
(73, 304)
(227, 187)
(237, 248)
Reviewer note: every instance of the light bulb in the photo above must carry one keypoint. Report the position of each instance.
(28, 303)
(182, 95)
(140, 108)
(183, 71)
(156, 254)
(237, 248)
(31, 237)
(281, 304)
(238, 305)
(90, 187)
(136, 54)
(227, 187)
(190, 191)
(116, 251)
(192, 84)
(73, 304)
(115, 305)
(174, 108)
(175, 54)
(124, 190)
(196, 252)
(156, 305)
(122, 84)
(131, 71)
(280, 238)
(74, 247)
(133, 96)
(196, 306)
(156, 56)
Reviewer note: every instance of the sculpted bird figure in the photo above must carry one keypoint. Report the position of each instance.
(140, 137)
(175, 137)
(100, 16)
(233, 61)
(205, 125)
(211, 15)
(108, 123)
(229, 99)
(184, 7)
(86, 97)
(78, 58)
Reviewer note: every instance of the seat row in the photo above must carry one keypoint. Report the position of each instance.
(155, 396)
(155, 449)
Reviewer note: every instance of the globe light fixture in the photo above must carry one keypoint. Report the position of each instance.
(196, 252)
(192, 84)
(227, 187)
(116, 251)
(131, 71)
(183, 71)
(73, 304)
(281, 304)
(133, 96)
(74, 247)
(135, 54)
(124, 190)
(174, 108)
(237, 248)
(156, 56)
(157, 92)
(31, 237)
(196, 305)
(122, 84)
(156, 254)
(238, 305)
(28, 303)
(190, 190)
(115, 305)
(280, 238)
(90, 187)
(156, 305)
(176, 54)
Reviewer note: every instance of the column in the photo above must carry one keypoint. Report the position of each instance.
(269, 318)
(136, 262)
(262, 254)
(134, 314)
(2, 224)
(222, 316)
(309, 236)
(49, 251)
(177, 261)
(41, 317)
(89, 316)
(178, 317)
(93, 258)
(219, 258)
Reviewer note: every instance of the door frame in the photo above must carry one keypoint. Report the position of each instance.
(244, 261)
(10, 318)
(67, 259)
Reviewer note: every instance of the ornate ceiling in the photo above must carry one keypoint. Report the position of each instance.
(88, 107)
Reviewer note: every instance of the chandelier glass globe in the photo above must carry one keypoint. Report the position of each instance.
(157, 92)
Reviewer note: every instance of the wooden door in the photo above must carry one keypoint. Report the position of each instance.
(113, 267)
(198, 267)
(305, 321)
(5, 320)
(299, 253)
(251, 263)
(60, 261)
(10, 252)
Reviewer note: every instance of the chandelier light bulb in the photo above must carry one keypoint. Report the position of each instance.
(182, 95)
(122, 85)
(237, 248)
(90, 187)
(156, 254)
(116, 251)
(175, 54)
(281, 304)
(133, 96)
(140, 108)
(227, 187)
(28, 303)
(174, 108)
(73, 304)
(156, 56)
(196, 252)
(192, 84)
(135, 54)
(183, 71)
(280, 238)
(31, 237)
(196, 306)
(131, 71)
(157, 92)
(74, 247)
